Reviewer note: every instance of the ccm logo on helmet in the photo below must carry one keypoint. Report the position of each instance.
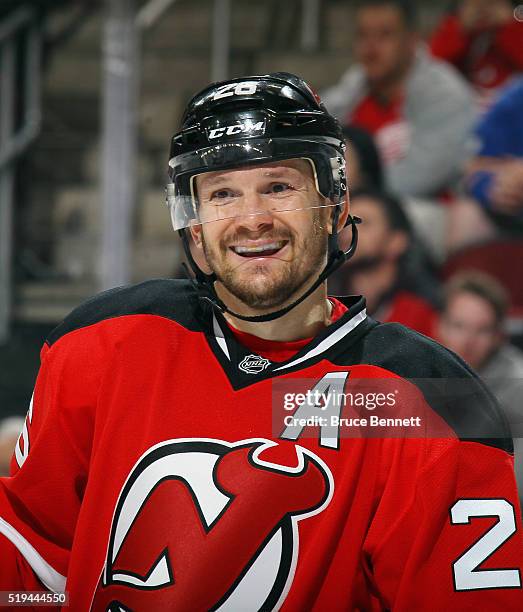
(239, 128)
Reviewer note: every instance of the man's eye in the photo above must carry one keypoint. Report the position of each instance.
(222, 194)
(280, 187)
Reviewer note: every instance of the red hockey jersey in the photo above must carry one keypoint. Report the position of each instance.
(164, 466)
(486, 57)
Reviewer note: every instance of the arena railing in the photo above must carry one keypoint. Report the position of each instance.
(17, 129)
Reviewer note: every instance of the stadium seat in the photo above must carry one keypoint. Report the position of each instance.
(499, 259)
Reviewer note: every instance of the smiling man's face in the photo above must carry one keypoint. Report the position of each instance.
(269, 241)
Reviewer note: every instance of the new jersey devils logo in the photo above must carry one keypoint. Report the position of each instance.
(210, 525)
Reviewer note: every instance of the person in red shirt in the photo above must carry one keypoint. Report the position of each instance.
(418, 109)
(383, 267)
(484, 41)
(385, 44)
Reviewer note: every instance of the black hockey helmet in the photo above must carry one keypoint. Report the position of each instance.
(251, 121)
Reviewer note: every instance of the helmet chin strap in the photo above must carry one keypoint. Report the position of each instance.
(204, 283)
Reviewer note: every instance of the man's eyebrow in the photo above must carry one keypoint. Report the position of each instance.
(212, 180)
(284, 171)
(279, 172)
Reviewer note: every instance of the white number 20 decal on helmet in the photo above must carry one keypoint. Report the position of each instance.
(247, 88)
(466, 575)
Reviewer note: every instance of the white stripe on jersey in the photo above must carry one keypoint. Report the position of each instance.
(48, 575)
(329, 341)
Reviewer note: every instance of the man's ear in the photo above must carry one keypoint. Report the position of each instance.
(196, 248)
(196, 234)
(342, 217)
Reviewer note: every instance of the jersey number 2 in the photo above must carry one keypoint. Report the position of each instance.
(466, 575)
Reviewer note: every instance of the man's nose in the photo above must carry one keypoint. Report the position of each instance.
(254, 214)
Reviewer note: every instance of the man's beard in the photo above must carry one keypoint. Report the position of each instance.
(280, 285)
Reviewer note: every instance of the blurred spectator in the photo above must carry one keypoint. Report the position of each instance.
(484, 41)
(10, 429)
(418, 108)
(496, 174)
(383, 269)
(364, 167)
(365, 171)
(472, 325)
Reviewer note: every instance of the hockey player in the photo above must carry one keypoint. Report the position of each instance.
(202, 445)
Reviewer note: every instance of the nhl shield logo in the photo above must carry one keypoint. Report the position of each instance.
(254, 364)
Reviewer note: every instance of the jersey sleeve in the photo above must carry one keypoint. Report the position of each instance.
(455, 542)
(40, 501)
(447, 532)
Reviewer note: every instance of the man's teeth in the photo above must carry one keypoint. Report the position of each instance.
(273, 246)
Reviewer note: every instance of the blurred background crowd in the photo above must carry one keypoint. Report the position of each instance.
(430, 95)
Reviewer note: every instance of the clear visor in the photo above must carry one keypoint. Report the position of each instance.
(227, 199)
(186, 212)
(252, 240)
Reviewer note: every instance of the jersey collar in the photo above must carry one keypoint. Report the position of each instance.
(244, 368)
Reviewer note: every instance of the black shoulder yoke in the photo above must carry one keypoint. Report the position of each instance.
(449, 385)
(172, 299)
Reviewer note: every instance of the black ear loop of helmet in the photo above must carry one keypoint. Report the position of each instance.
(204, 283)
